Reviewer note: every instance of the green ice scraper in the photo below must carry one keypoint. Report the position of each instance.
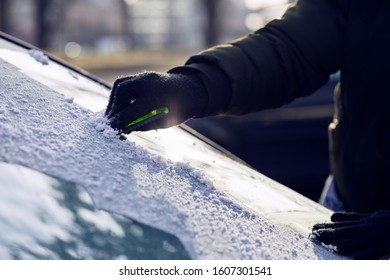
(155, 114)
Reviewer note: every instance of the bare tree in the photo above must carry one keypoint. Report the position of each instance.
(124, 17)
(50, 18)
(42, 22)
(4, 10)
(211, 28)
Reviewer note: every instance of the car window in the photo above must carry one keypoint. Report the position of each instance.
(43, 217)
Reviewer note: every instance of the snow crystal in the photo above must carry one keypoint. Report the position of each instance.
(69, 100)
(39, 56)
(330, 247)
(100, 123)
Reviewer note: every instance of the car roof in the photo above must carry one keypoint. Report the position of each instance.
(52, 121)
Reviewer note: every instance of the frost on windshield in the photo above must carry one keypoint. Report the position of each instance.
(100, 123)
(47, 218)
(40, 129)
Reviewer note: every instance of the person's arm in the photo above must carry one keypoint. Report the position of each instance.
(286, 59)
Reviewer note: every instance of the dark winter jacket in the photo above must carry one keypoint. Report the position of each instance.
(293, 57)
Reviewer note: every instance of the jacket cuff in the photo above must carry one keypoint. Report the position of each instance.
(217, 86)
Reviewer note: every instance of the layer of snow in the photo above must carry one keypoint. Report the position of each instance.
(41, 129)
(39, 56)
(330, 247)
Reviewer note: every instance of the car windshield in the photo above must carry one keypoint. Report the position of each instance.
(72, 84)
(48, 218)
(172, 180)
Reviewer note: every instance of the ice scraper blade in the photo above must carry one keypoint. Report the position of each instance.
(152, 116)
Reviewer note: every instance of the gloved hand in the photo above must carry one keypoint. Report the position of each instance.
(361, 236)
(153, 100)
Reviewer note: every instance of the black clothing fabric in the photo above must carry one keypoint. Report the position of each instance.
(294, 56)
(216, 82)
(361, 236)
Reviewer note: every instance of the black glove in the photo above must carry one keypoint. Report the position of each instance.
(361, 236)
(152, 100)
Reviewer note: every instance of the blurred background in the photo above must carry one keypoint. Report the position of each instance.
(111, 38)
(140, 34)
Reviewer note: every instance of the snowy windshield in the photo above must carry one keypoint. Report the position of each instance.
(51, 120)
(76, 87)
(46, 218)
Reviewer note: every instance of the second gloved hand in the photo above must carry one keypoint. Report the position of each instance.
(361, 236)
(153, 100)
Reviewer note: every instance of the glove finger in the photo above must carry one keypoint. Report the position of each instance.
(334, 225)
(357, 246)
(322, 226)
(347, 216)
(125, 93)
(113, 93)
(332, 235)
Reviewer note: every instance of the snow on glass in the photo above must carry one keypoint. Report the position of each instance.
(43, 130)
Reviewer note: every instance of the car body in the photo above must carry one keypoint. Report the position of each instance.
(71, 189)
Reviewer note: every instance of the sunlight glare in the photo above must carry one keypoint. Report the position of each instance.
(260, 4)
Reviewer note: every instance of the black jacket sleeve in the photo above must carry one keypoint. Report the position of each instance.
(286, 59)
